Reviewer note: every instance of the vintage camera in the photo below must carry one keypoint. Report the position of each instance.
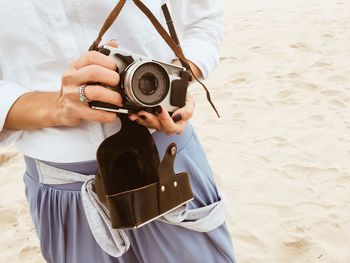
(145, 83)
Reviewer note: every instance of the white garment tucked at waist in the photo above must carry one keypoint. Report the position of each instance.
(116, 242)
(38, 40)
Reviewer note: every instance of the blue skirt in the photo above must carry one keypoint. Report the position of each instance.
(65, 237)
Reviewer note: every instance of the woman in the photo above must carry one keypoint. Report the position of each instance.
(43, 65)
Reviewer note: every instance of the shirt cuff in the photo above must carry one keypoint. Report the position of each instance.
(205, 60)
(13, 91)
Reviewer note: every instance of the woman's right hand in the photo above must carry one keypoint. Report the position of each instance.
(90, 67)
(37, 109)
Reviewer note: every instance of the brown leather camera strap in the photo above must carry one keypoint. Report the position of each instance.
(163, 33)
(107, 24)
(116, 11)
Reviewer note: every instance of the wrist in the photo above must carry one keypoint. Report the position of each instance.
(34, 110)
(51, 111)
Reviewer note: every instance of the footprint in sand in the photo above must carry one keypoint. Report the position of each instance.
(286, 93)
(332, 93)
(9, 218)
(333, 216)
(338, 103)
(278, 77)
(274, 139)
(294, 75)
(338, 79)
(309, 86)
(300, 46)
(326, 36)
(28, 252)
(317, 118)
(293, 226)
(238, 80)
(239, 77)
(256, 48)
(6, 157)
(321, 64)
(223, 59)
(300, 244)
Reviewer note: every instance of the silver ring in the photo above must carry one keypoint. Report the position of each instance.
(81, 93)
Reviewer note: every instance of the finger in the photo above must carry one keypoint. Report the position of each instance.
(94, 58)
(133, 117)
(100, 93)
(86, 113)
(112, 43)
(150, 120)
(180, 126)
(95, 73)
(140, 121)
(185, 113)
(166, 121)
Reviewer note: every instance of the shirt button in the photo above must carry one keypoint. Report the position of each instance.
(57, 18)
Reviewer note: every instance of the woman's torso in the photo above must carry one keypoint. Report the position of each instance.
(40, 38)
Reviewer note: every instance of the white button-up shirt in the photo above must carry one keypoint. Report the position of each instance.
(39, 38)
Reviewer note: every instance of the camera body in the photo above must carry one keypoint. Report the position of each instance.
(145, 83)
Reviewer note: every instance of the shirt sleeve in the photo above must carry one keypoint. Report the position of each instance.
(9, 92)
(201, 25)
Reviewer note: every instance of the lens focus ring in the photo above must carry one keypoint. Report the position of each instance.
(147, 84)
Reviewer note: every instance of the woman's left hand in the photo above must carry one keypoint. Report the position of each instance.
(162, 120)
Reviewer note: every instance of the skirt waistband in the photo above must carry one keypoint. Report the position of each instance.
(90, 167)
(83, 168)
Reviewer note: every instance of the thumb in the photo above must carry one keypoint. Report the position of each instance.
(112, 43)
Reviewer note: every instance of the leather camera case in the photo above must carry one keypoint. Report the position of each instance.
(132, 182)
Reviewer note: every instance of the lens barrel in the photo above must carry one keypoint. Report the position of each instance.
(146, 83)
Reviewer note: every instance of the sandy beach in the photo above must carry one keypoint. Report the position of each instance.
(280, 151)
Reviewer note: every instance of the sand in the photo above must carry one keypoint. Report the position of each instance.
(281, 150)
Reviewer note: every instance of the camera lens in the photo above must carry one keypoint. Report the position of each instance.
(148, 83)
